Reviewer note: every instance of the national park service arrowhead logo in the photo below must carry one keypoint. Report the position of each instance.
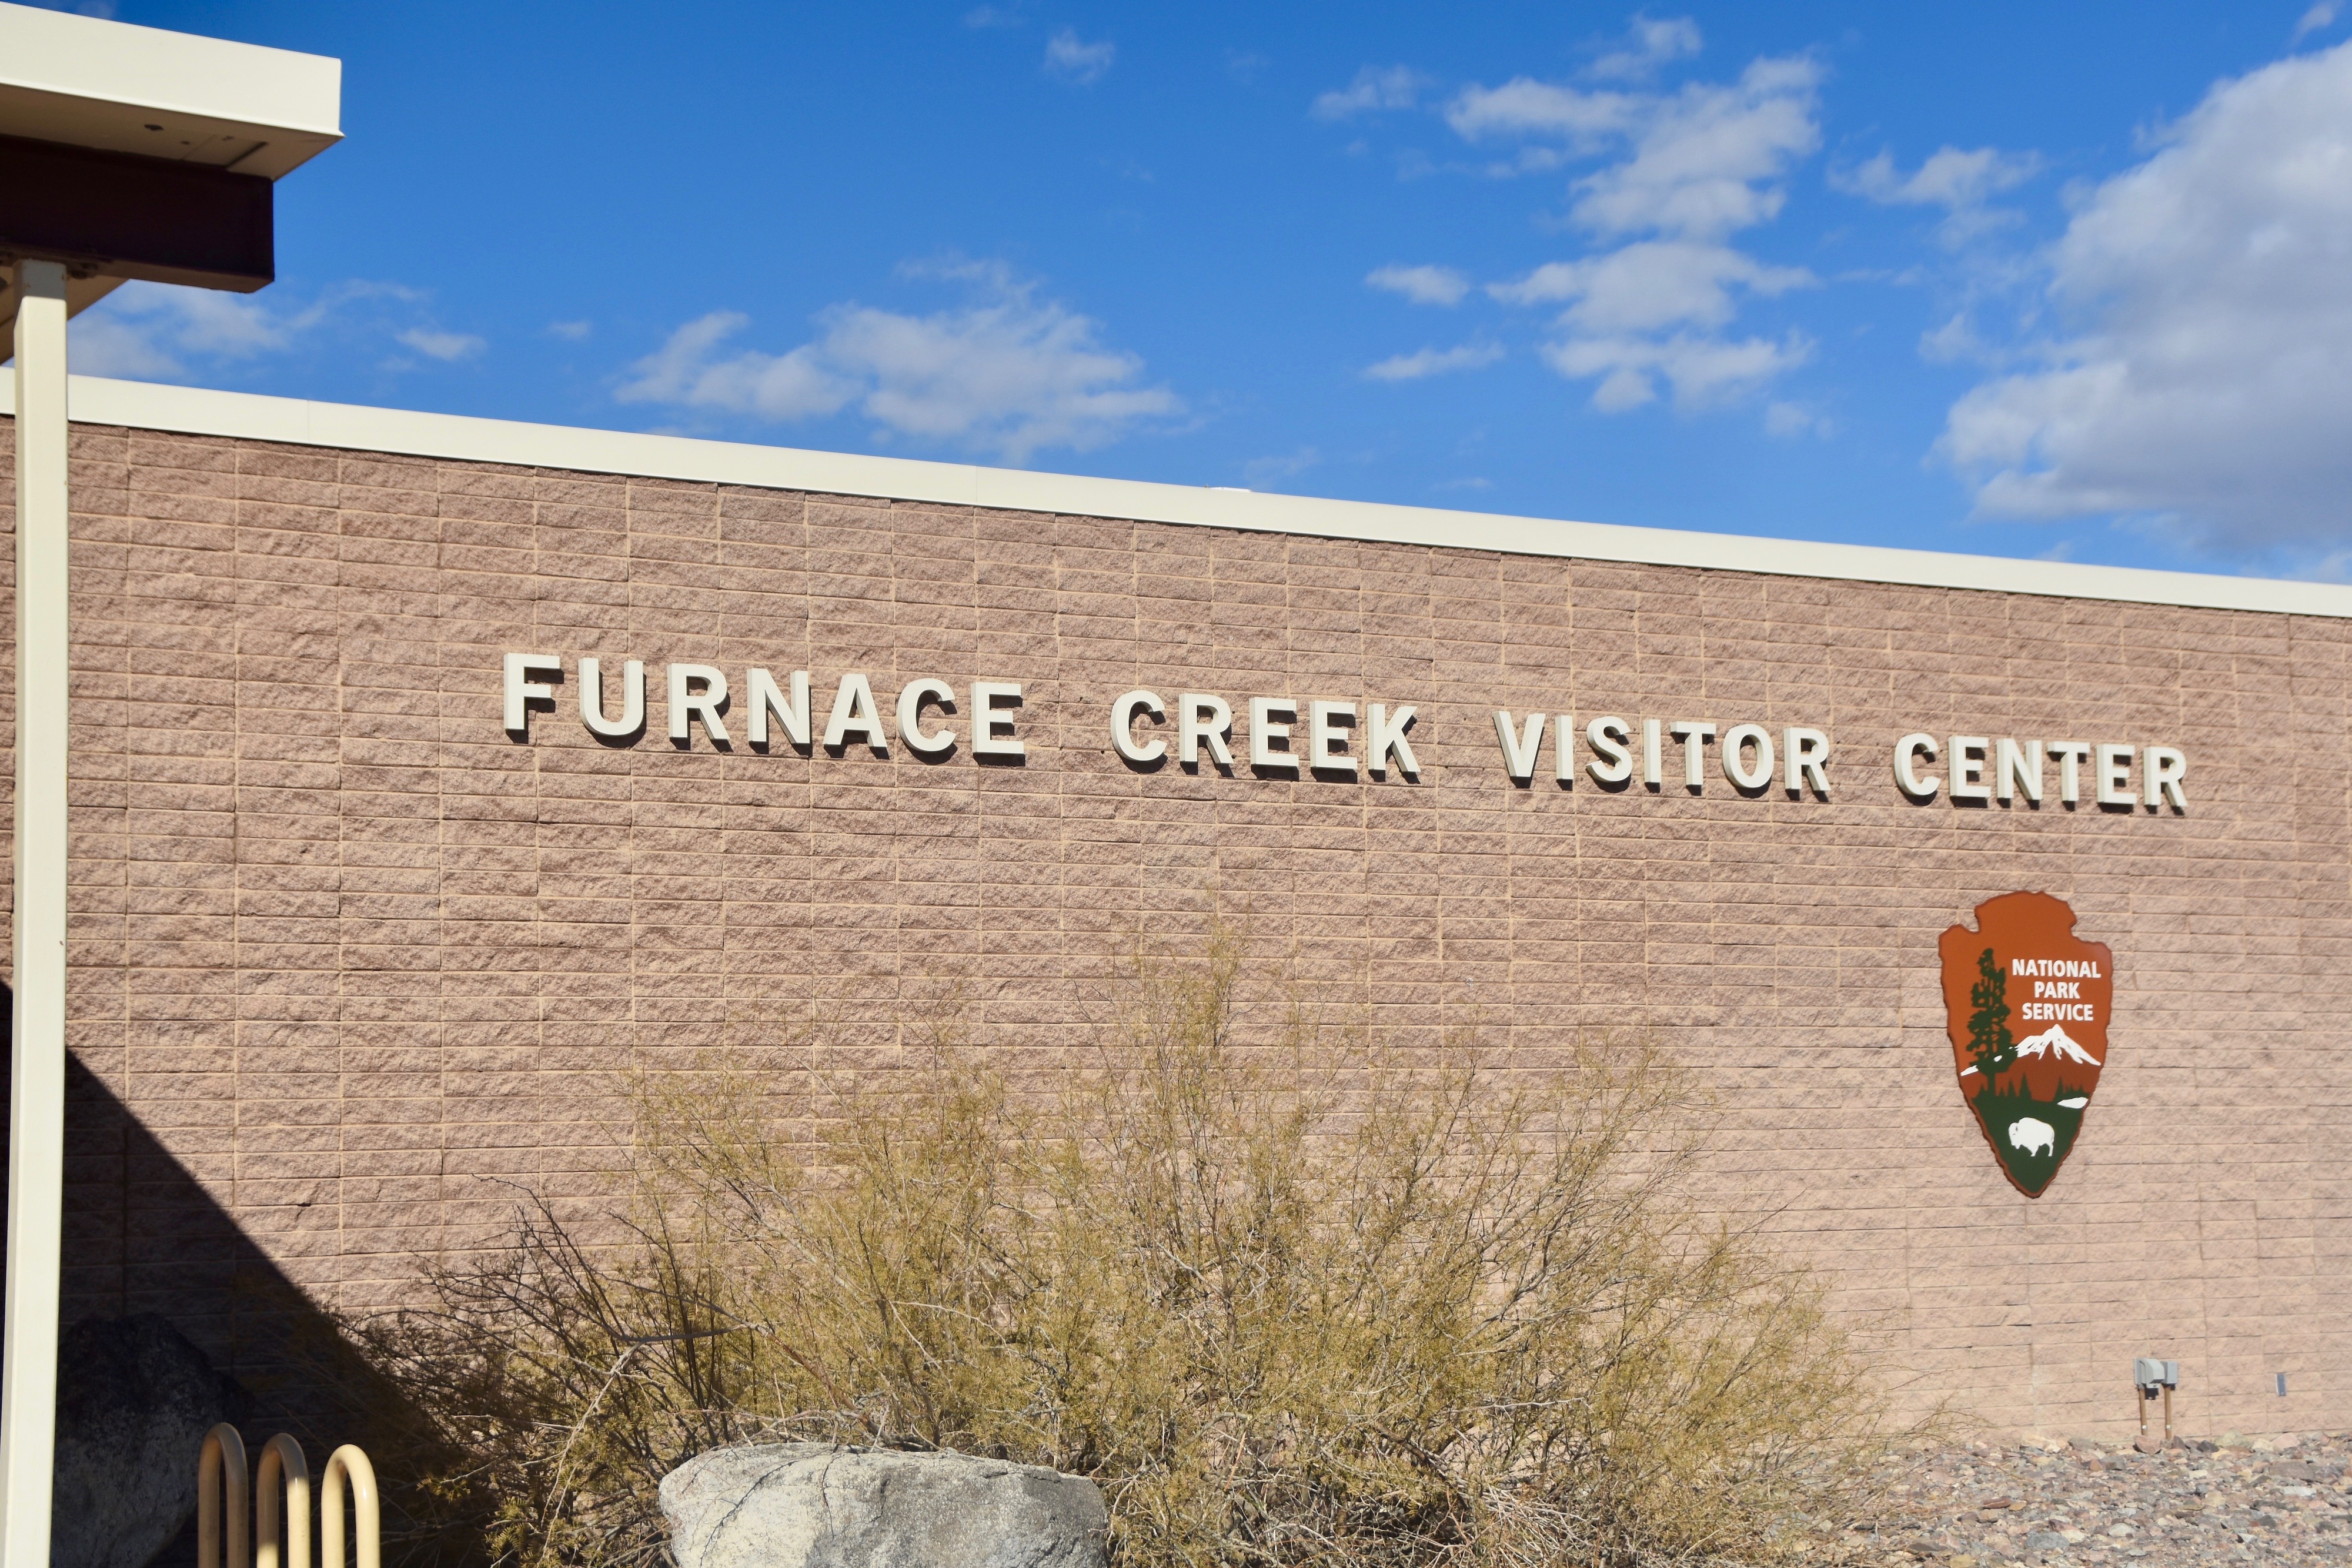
(2026, 1003)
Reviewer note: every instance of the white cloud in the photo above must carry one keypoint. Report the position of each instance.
(2210, 377)
(1708, 158)
(571, 331)
(1265, 471)
(1701, 163)
(1787, 421)
(114, 345)
(2320, 16)
(446, 347)
(1071, 60)
(1691, 166)
(1433, 362)
(1651, 284)
(1525, 107)
(1006, 373)
(1654, 42)
(1422, 285)
(785, 387)
(1703, 372)
(162, 332)
(1956, 341)
(1949, 179)
(1398, 86)
(1961, 182)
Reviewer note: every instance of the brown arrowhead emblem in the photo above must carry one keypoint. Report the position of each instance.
(2027, 1003)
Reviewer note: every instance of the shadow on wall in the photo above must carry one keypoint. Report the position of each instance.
(143, 1236)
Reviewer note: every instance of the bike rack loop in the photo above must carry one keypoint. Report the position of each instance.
(282, 1536)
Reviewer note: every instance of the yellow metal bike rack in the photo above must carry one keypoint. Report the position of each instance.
(281, 1456)
(347, 1464)
(280, 1537)
(221, 1460)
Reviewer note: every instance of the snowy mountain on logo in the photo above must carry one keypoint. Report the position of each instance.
(2054, 1042)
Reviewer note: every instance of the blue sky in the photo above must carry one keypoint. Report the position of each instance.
(2028, 280)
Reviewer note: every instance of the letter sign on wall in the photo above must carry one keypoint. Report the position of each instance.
(2026, 1003)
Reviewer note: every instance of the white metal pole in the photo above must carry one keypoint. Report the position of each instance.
(37, 1105)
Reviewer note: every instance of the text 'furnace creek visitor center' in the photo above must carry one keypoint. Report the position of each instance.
(427, 773)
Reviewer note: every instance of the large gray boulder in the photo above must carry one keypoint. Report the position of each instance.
(817, 1505)
(134, 1401)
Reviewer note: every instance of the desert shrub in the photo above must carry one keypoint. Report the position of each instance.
(1301, 1300)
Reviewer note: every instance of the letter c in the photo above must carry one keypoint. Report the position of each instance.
(911, 697)
(1907, 753)
(1122, 726)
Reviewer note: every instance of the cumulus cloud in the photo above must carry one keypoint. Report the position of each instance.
(1683, 171)
(1787, 421)
(1525, 107)
(1422, 285)
(153, 330)
(1961, 182)
(1265, 471)
(1950, 178)
(686, 371)
(1709, 160)
(1006, 373)
(2321, 16)
(1073, 60)
(1651, 284)
(119, 345)
(1398, 86)
(1653, 42)
(2209, 375)
(1433, 362)
(446, 347)
(1703, 372)
(156, 332)
(1702, 161)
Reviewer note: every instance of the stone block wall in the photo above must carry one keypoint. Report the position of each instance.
(350, 963)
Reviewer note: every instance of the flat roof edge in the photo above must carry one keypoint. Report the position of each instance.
(103, 61)
(194, 410)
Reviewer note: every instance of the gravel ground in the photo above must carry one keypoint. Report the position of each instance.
(1981, 1505)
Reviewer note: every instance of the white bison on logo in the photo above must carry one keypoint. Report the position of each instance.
(2031, 1135)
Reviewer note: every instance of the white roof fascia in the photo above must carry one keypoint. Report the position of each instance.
(194, 410)
(96, 83)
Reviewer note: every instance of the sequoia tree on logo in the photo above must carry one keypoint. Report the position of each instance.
(2026, 1003)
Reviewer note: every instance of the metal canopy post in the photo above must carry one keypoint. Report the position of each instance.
(28, 1364)
(125, 152)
